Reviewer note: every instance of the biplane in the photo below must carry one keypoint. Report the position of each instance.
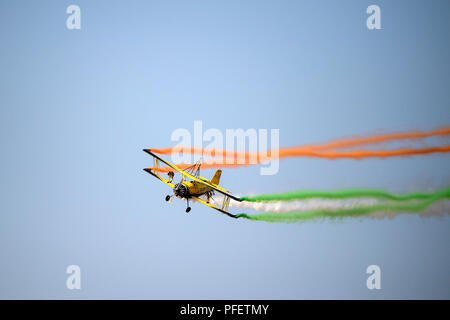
(192, 186)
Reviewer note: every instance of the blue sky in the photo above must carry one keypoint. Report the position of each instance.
(78, 106)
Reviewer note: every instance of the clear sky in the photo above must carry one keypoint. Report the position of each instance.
(78, 106)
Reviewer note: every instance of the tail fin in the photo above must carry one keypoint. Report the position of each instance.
(216, 178)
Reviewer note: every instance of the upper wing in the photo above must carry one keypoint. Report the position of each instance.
(198, 179)
(156, 173)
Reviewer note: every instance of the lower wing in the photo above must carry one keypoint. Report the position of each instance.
(214, 207)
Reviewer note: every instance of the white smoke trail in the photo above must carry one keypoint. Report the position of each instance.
(299, 205)
(304, 205)
(439, 208)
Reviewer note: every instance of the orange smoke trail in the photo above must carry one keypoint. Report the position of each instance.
(359, 154)
(336, 144)
(323, 150)
(292, 152)
(374, 139)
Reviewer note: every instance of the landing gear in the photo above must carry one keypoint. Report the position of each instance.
(167, 198)
(188, 208)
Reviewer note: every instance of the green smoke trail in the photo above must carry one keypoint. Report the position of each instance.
(294, 216)
(341, 194)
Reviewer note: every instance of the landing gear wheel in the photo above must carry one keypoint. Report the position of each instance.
(188, 209)
(167, 198)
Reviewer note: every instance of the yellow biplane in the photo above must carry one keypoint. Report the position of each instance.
(193, 189)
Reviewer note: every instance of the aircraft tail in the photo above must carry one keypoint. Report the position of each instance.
(216, 178)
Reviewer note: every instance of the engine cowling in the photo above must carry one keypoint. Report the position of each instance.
(181, 191)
